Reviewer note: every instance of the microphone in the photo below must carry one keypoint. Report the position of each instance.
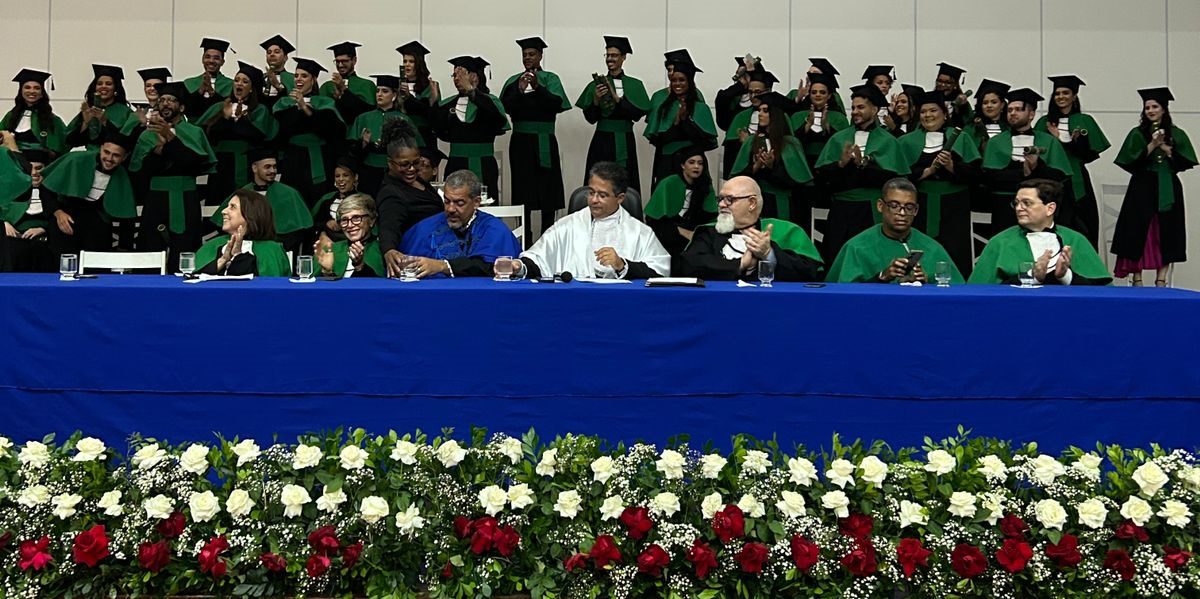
(565, 277)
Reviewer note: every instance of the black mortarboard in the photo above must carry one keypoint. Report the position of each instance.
(212, 43)
(763, 75)
(950, 71)
(1026, 95)
(534, 43)
(345, 49)
(309, 65)
(776, 100)
(1070, 82)
(117, 73)
(829, 81)
(1162, 95)
(618, 42)
(687, 66)
(254, 73)
(349, 163)
(876, 70)
(388, 81)
(677, 56)
(280, 41)
(933, 97)
(989, 86)
(870, 93)
(913, 92)
(172, 88)
(27, 75)
(472, 64)
(160, 73)
(413, 48)
(433, 154)
(36, 155)
(824, 66)
(260, 153)
(112, 136)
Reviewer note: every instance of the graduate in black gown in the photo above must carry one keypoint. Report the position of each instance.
(105, 109)
(801, 95)
(23, 241)
(419, 93)
(949, 84)
(32, 120)
(311, 134)
(235, 127)
(614, 102)
(682, 201)
(678, 118)
(404, 198)
(345, 184)
(1084, 141)
(470, 121)
(211, 86)
(84, 192)
(353, 95)
(737, 107)
(277, 81)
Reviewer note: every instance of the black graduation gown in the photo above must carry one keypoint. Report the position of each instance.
(37, 254)
(154, 234)
(294, 163)
(848, 219)
(91, 230)
(1006, 181)
(536, 186)
(1140, 206)
(704, 258)
(242, 264)
(488, 124)
(401, 206)
(954, 231)
(727, 105)
(226, 179)
(603, 147)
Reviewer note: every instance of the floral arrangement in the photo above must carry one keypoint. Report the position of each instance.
(353, 514)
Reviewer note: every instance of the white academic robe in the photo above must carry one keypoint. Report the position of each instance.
(567, 246)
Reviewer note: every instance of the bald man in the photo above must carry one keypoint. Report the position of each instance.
(740, 240)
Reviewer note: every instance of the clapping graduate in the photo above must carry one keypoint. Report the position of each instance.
(533, 99)
(1083, 141)
(614, 103)
(23, 242)
(737, 110)
(353, 95)
(775, 160)
(311, 132)
(802, 95)
(32, 119)
(364, 138)
(902, 116)
(682, 201)
(104, 108)
(470, 121)
(151, 77)
(678, 119)
(235, 127)
(277, 81)
(949, 84)
(247, 244)
(882, 77)
(419, 93)
(211, 86)
(356, 251)
(83, 192)
(292, 217)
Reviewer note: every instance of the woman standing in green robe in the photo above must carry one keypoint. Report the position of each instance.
(311, 133)
(419, 93)
(677, 120)
(32, 119)
(247, 244)
(365, 136)
(1083, 140)
(775, 160)
(104, 107)
(235, 127)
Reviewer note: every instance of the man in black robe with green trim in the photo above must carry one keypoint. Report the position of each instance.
(353, 95)
(614, 103)
(88, 190)
(278, 82)
(949, 84)
(211, 86)
(736, 108)
(470, 121)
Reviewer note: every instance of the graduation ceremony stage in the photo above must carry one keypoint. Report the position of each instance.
(149, 354)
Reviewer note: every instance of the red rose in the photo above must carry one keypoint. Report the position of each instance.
(1066, 553)
(1130, 531)
(1175, 558)
(351, 554)
(171, 526)
(1014, 554)
(861, 560)
(576, 561)
(968, 561)
(729, 524)
(210, 557)
(324, 541)
(483, 536)
(448, 570)
(605, 551)
(703, 557)
(506, 541)
(857, 526)
(752, 557)
(273, 562)
(317, 565)
(91, 546)
(637, 521)
(35, 554)
(1118, 561)
(1013, 527)
(911, 554)
(462, 527)
(653, 560)
(154, 556)
(805, 553)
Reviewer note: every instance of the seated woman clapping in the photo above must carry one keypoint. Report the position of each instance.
(248, 245)
(358, 254)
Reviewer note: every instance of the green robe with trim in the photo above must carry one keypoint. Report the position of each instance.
(118, 116)
(1002, 258)
(667, 200)
(869, 253)
(833, 121)
(882, 149)
(1154, 192)
(547, 80)
(290, 212)
(372, 257)
(71, 177)
(834, 98)
(14, 181)
(704, 256)
(359, 86)
(222, 85)
(632, 89)
(373, 121)
(998, 154)
(777, 183)
(260, 118)
(701, 115)
(1095, 143)
(191, 136)
(53, 139)
(269, 256)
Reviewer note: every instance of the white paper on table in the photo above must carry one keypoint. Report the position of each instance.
(742, 283)
(207, 277)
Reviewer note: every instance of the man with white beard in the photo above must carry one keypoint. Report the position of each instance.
(733, 247)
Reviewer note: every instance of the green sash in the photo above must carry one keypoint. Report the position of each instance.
(474, 153)
(934, 190)
(544, 131)
(912, 146)
(618, 128)
(1135, 147)
(237, 149)
(174, 186)
(1096, 141)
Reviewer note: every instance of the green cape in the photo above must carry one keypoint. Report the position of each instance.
(221, 84)
(14, 181)
(834, 98)
(882, 148)
(1096, 142)
(1135, 147)
(912, 145)
(833, 121)
(547, 80)
(271, 259)
(192, 138)
(1002, 257)
(373, 121)
(634, 90)
(71, 176)
(316, 102)
(471, 108)
(117, 114)
(363, 88)
(792, 156)
(372, 257)
(998, 154)
(54, 138)
(287, 206)
(701, 115)
(788, 236)
(870, 252)
(260, 118)
(668, 198)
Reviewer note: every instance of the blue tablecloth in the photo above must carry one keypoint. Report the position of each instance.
(120, 354)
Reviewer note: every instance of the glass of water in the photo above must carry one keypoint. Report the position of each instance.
(68, 265)
(503, 268)
(766, 273)
(304, 267)
(941, 274)
(187, 264)
(1026, 274)
(411, 268)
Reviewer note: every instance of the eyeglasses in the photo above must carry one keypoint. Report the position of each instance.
(732, 199)
(356, 219)
(1026, 204)
(898, 208)
(404, 165)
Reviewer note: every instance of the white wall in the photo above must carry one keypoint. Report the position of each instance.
(1117, 46)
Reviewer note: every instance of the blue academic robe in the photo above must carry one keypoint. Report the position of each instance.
(470, 252)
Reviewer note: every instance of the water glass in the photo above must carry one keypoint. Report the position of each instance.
(503, 268)
(187, 263)
(304, 267)
(941, 273)
(68, 265)
(1026, 274)
(410, 270)
(766, 273)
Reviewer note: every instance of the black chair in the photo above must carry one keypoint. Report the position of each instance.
(632, 203)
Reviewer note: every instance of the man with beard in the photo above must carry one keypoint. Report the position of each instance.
(87, 191)
(211, 86)
(614, 104)
(462, 241)
(353, 95)
(278, 81)
(291, 214)
(733, 247)
(949, 84)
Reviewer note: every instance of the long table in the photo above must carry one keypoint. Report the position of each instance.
(123, 354)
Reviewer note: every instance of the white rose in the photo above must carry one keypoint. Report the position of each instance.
(294, 498)
(110, 502)
(450, 454)
(247, 451)
(511, 449)
(711, 505)
(493, 499)
(409, 521)
(372, 509)
(940, 462)
(149, 456)
(612, 508)
(838, 502)
(330, 500)
(711, 465)
(306, 456)
(994, 504)
(993, 468)
(194, 459)
(519, 496)
(1092, 513)
(64, 505)
(1176, 513)
(873, 470)
(756, 461)
(841, 473)
(352, 457)
(1050, 513)
(802, 471)
(1190, 477)
(35, 495)
(35, 454)
(962, 504)
(89, 449)
(5, 445)
(1137, 510)
(239, 503)
(912, 513)
(602, 469)
(791, 504)
(158, 507)
(665, 504)
(1046, 469)
(548, 463)
(750, 506)
(405, 452)
(1150, 478)
(568, 504)
(1088, 465)
(671, 464)
(203, 506)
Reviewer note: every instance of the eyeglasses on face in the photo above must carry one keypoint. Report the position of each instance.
(898, 208)
(354, 219)
(727, 199)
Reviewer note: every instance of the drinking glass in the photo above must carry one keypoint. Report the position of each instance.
(187, 264)
(503, 268)
(304, 267)
(1026, 274)
(410, 270)
(941, 274)
(68, 265)
(766, 273)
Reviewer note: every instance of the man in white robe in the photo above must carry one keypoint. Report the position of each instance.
(602, 242)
